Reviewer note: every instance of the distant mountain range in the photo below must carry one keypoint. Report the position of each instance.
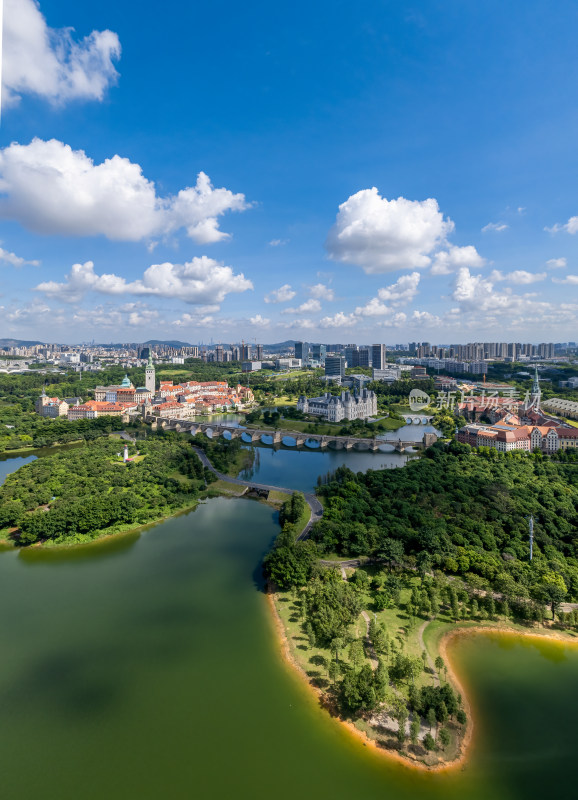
(18, 343)
(170, 343)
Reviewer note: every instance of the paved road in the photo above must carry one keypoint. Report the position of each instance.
(315, 506)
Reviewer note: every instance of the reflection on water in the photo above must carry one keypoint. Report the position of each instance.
(10, 462)
(299, 469)
(233, 420)
(409, 433)
(161, 659)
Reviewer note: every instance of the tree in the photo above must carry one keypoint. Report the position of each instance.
(361, 579)
(461, 717)
(439, 663)
(310, 635)
(424, 659)
(334, 671)
(356, 653)
(357, 689)
(553, 589)
(429, 742)
(431, 717)
(414, 668)
(442, 712)
(443, 737)
(401, 719)
(414, 729)
(381, 681)
(336, 646)
(379, 638)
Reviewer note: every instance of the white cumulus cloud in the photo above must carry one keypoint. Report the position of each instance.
(447, 261)
(52, 189)
(399, 293)
(7, 257)
(556, 263)
(519, 276)
(570, 227)
(281, 295)
(299, 324)
(201, 281)
(308, 307)
(259, 321)
(322, 292)
(570, 280)
(49, 63)
(339, 320)
(478, 297)
(384, 235)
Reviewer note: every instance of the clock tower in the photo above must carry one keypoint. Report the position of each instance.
(150, 381)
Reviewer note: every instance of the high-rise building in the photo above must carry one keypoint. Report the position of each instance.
(318, 353)
(302, 351)
(245, 352)
(378, 356)
(361, 357)
(258, 352)
(349, 352)
(334, 366)
(219, 352)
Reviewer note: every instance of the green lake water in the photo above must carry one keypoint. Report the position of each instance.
(147, 667)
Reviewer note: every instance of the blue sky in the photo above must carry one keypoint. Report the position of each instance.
(385, 171)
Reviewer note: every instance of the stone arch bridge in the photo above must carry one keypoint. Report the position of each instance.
(255, 435)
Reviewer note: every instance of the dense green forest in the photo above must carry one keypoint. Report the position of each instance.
(75, 495)
(466, 513)
(28, 429)
(459, 511)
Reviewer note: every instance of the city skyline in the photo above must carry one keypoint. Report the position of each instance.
(393, 184)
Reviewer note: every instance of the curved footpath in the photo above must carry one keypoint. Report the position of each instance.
(315, 506)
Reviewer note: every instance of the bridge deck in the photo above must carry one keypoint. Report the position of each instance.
(278, 435)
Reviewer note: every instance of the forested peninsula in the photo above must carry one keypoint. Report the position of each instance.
(78, 495)
(404, 558)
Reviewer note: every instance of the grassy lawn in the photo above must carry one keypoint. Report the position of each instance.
(284, 400)
(400, 408)
(277, 498)
(224, 487)
(303, 518)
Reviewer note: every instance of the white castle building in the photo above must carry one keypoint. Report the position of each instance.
(359, 405)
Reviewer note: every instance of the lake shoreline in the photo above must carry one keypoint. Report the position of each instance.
(209, 494)
(284, 650)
